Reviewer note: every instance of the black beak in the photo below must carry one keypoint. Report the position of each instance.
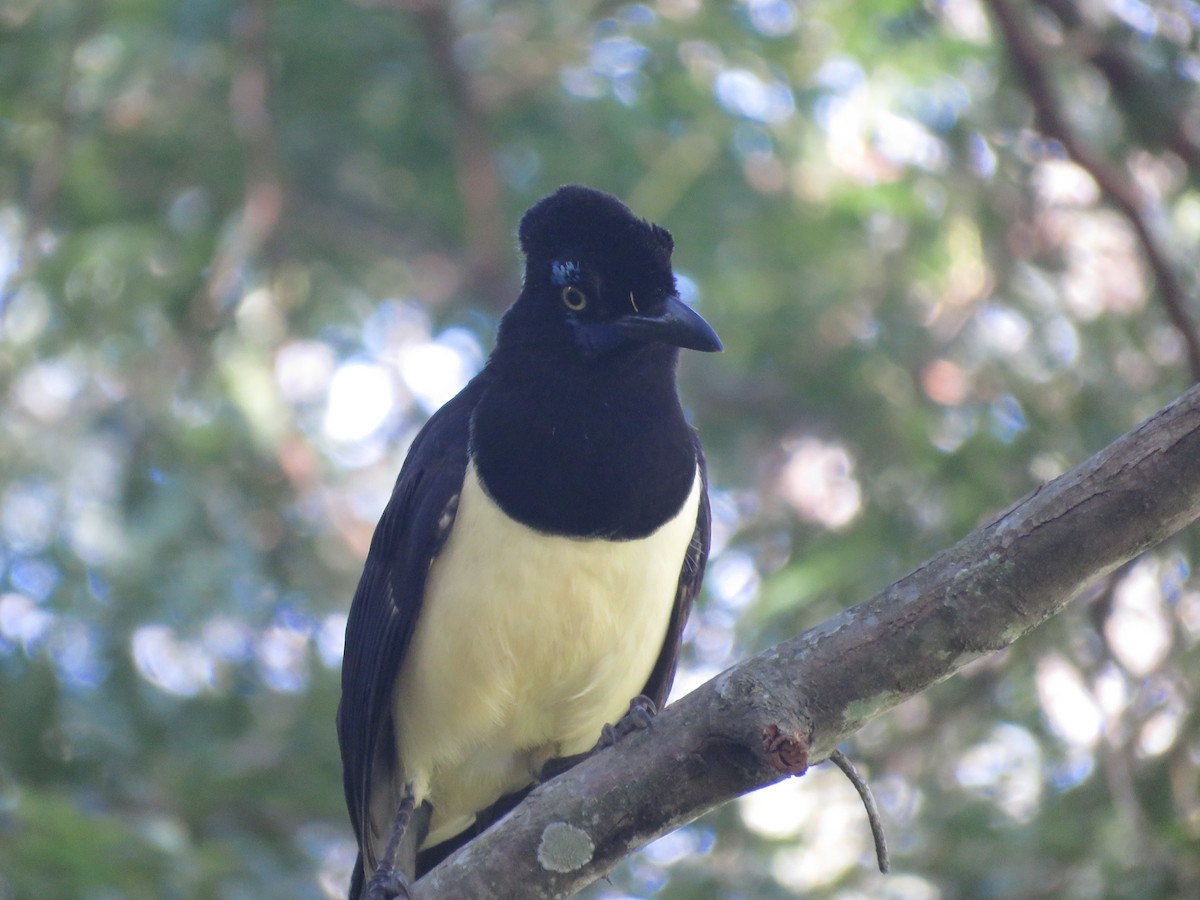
(678, 324)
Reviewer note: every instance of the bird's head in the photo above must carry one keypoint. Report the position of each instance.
(600, 277)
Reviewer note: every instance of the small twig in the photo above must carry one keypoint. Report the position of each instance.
(479, 188)
(839, 759)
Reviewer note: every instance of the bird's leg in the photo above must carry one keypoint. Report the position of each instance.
(388, 882)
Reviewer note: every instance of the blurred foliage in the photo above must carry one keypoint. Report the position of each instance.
(246, 248)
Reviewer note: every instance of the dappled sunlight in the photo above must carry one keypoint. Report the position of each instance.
(335, 854)
(23, 622)
(1104, 269)
(1003, 330)
(745, 94)
(945, 382)
(1067, 703)
(867, 140)
(614, 66)
(283, 656)
(177, 667)
(1005, 769)
(29, 515)
(1060, 182)
(330, 637)
(772, 18)
(303, 370)
(47, 389)
(1160, 731)
(25, 314)
(281, 652)
(733, 580)
(434, 371)
(227, 639)
(818, 481)
(370, 397)
(1138, 629)
(966, 19)
(362, 398)
(1112, 689)
(1124, 695)
(68, 642)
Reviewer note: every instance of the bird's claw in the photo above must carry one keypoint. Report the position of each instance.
(639, 717)
(387, 885)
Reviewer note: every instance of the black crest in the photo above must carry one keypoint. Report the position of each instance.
(588, 223)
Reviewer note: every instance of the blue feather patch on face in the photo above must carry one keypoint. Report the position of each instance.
(565, 272)
(595, 338)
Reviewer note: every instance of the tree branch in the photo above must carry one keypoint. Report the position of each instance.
(772, 715)
(1121, 190)
(1138, 89)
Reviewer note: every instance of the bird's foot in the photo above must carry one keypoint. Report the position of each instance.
(640, 716)
(387, 884)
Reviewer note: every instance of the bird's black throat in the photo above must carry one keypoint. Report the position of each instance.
(585, 448)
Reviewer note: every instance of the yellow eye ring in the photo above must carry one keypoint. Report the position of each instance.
(574, 299)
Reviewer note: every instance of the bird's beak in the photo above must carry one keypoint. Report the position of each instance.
(678, 324)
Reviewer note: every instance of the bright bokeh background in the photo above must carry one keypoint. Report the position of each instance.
(247, 248)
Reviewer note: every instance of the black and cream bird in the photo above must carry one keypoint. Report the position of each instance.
(541, 550)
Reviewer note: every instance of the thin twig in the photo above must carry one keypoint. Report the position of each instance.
(480, 192)
(479, 189)
(839, 759)
(45, 178)
(262, 203)
(1029, 63)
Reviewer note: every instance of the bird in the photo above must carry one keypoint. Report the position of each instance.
(528, 582)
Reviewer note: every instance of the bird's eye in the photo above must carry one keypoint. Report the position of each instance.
(574, 299)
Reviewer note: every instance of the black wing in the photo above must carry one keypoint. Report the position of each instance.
(388, 599)
(659, 684)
